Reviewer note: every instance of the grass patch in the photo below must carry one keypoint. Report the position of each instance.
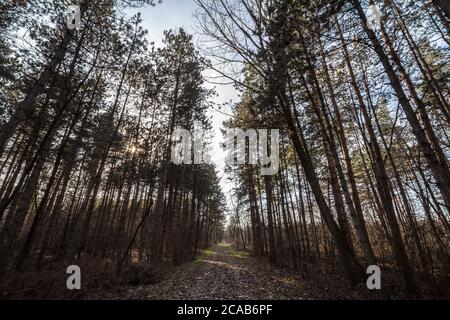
(239, 254)
(223, 244)
(205, 254)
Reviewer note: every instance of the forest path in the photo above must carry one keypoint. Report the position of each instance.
(221, 272)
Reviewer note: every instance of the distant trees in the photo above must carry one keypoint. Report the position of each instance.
(86, 120)
(364, 112)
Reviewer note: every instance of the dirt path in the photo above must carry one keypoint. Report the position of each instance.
(223, 273)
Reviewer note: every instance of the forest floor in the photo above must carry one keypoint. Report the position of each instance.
(222, 272)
